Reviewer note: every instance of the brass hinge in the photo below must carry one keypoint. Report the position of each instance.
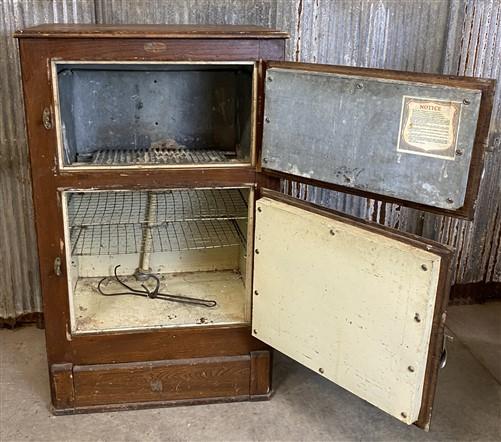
(57, 266)
(47, 118)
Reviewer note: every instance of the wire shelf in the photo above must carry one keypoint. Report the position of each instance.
(169, 237)
(125, 207)
(112, 157)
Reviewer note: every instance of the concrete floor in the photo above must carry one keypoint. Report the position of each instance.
(304, 407)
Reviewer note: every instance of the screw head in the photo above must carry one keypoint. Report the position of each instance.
(265, 160)
(321, 370)
(256, 293)
(459, 152)
(360, 86)
(466, 102)
(417, 317)
(410, 368)
(424, 267)
(259, 209)
(450, 200)
(332, 232)
(270, 78)
(256, 251)
(254, 331)
(404, 415)
(267, 119)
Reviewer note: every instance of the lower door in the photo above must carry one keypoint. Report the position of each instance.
(361, 304)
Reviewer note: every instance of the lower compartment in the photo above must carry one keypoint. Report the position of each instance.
(101, 313)
(144, 259)
(101, 387)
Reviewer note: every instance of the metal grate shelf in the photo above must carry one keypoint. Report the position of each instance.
(168, 237)
(111, 157)
(125, 207)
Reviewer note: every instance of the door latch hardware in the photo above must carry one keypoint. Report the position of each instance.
(57, 266)
(443, 356)
(47, 118)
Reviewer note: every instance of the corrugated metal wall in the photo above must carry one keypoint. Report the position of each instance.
(456, 36)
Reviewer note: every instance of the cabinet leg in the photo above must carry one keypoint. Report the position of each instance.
(260, 375)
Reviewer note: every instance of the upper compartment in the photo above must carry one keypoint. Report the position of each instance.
(414, 139)
(154, 114)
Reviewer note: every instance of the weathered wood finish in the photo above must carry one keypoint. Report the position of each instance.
(260, 375)
(161, 381)
(150, 31)
(62, 391)
(223, 352)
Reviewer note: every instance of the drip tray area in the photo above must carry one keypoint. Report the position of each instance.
(95, 312)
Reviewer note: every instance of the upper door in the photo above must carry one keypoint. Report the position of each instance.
(360, 304)
(415, 139)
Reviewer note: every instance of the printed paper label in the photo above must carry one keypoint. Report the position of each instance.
(429, 127)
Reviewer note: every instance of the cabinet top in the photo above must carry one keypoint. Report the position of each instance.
(149, 31)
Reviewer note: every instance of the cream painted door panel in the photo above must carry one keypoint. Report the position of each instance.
(352, 304)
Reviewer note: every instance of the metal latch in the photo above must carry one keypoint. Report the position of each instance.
(443, 356)
(47, 118)
(57, 266)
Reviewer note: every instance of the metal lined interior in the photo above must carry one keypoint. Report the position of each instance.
(110, 223)
(154, 114)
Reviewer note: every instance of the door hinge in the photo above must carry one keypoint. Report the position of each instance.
(57, 266)
(47, 118)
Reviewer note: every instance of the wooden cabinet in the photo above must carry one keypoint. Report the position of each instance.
(170, 261)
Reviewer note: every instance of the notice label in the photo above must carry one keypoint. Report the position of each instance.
(429, 127)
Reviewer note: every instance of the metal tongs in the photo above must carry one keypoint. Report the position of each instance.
(154, 294)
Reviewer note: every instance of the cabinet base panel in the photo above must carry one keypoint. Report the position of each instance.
(159, 404)
(135, 385)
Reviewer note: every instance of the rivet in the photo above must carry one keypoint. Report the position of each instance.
(450, 200)
(259, 209)
(424, 267)
(254, 331)
(459, 152)
(417, 318)
(466, 102)
(321, 370)
(332, 232)
(410, 368)
(256, 251)
(256, 292)
(404, 415)
(267, 119)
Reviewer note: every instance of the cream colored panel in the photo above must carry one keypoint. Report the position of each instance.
(342, 301)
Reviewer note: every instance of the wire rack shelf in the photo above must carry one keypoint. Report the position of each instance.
(118, 239)
(131, 207)
(111, 157)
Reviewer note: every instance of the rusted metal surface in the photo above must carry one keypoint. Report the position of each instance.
(456, 36)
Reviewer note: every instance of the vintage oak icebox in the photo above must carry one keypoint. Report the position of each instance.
(171, 263)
